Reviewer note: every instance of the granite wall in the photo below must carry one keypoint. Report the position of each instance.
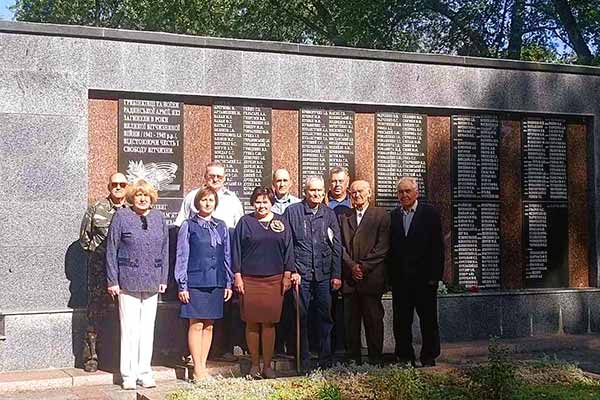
(55, 82)
(103, 114)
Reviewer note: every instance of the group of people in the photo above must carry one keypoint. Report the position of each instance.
(328, 241)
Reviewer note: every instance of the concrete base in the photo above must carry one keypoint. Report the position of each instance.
(54, 339)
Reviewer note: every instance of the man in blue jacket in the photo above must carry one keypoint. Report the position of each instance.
(317, 253)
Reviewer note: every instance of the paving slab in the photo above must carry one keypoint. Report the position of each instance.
(34, 380)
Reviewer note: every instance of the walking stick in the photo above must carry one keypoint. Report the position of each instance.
(297, 298)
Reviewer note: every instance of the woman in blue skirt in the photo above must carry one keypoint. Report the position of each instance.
(203, 275)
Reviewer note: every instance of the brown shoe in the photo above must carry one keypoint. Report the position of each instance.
(269, 373)
(255, 373)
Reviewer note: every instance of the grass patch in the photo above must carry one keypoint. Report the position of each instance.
(500, 378)
(576, 391)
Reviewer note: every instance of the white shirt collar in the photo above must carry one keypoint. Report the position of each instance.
(364, 210)
(285, 199)
(412, 209)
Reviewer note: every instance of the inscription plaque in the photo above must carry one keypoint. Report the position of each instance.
(242, 142)
(476, 200)
(401, 150)
(151, 148)
(326, 141)
(545, 202)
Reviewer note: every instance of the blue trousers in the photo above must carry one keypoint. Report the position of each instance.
(316, 296)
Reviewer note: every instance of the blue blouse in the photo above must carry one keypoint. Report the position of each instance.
(213, 247)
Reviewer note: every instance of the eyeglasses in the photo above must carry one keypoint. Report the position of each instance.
(144, 222)
(215, 176)
(122, 185)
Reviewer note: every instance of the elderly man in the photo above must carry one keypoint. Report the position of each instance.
(92, 236)
(365, 234)
(317, 253)
(416, 263)
(230, 208)
(229, 330)
(281, 187)
(284, 339)
(338, 197)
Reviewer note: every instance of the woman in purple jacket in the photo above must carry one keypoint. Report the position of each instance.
(203, 275)
(137, 265)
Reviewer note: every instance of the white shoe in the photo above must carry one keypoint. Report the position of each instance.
(148, 383)
(128, 385)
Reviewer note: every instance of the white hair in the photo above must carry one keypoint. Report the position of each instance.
(410, 180)
(311, 179)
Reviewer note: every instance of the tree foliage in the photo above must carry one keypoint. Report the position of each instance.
(541, 30)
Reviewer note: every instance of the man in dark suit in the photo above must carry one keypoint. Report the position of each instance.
(365, 231)
(416, 263)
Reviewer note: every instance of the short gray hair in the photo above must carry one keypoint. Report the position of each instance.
(280, 169)
(411, 180)
(311, 179)
(337, 170)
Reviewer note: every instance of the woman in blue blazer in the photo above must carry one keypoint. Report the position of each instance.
(203, 275)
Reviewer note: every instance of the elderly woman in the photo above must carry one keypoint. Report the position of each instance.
(263, 267)
(203, 275)
(136, 269)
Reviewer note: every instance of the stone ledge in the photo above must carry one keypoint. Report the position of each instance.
(34, 380)
(286, 48)
(69, 377)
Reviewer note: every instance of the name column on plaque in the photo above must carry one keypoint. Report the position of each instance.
(545, 203)
(326, 141)
(476, 200)
(401, 150)
(242, 142)
(151, 148)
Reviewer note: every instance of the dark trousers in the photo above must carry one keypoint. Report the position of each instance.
(285, 331)
(338, 332)
(316, 296)
(361, 308)
(406, 299)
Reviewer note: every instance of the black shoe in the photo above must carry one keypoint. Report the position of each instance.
(90, 366)
(406, 362)
(376, 361)
(428, 363)
(325, 364)
(306, 367)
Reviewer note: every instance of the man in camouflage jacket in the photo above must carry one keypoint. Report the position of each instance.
(94, 228)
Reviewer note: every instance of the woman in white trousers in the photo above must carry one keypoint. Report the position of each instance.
(137, 265)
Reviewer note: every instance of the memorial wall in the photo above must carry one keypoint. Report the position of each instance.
(500, 181)
(507, 151)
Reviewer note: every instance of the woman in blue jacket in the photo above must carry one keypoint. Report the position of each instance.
(137, 265)
(203, 275)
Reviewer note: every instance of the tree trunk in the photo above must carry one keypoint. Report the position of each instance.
(477, 42)
(515, 39)
(568, 21)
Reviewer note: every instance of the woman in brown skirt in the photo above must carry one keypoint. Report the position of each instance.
(263, 267)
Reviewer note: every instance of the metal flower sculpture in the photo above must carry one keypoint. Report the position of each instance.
(160, 174)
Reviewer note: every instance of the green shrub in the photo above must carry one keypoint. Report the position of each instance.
(498, 379)
(398, 383)
(329, 392)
